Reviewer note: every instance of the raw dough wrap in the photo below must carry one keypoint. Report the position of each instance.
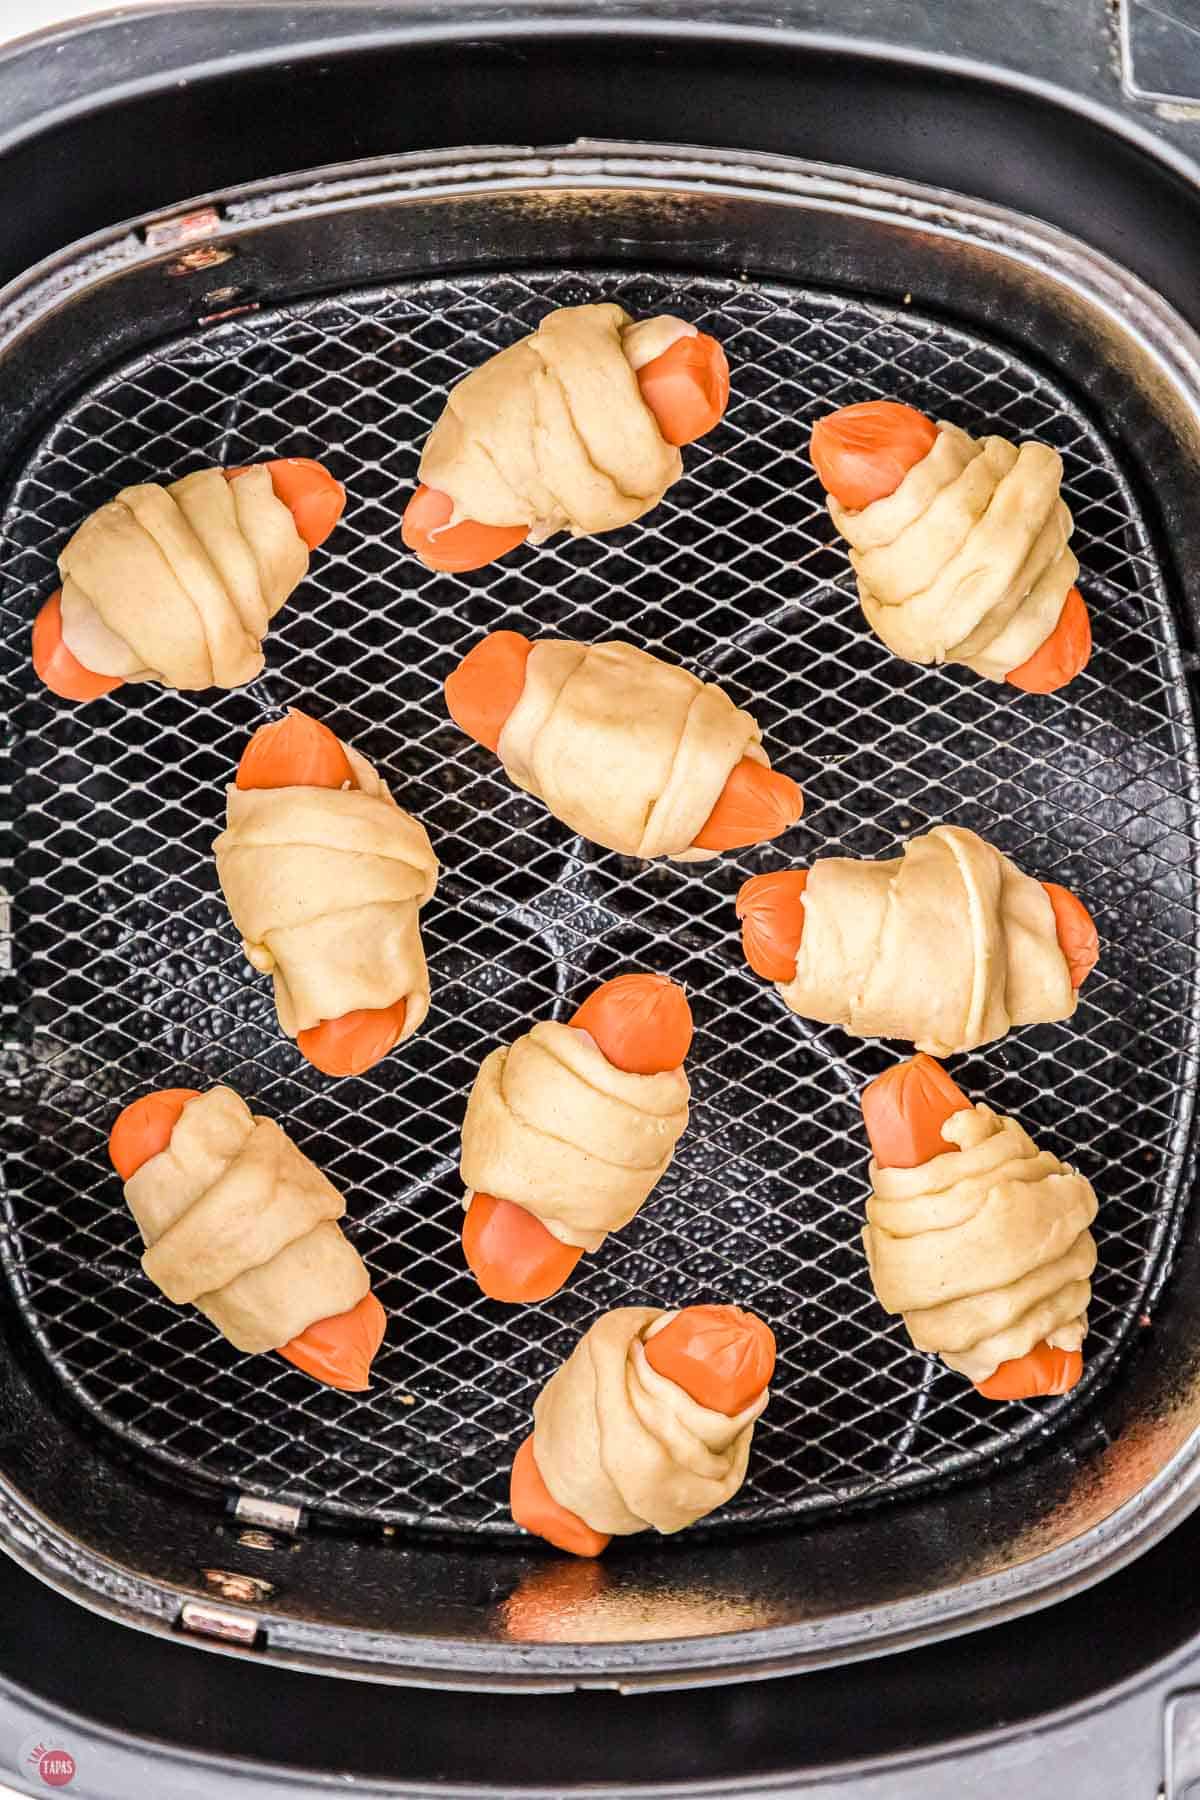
(968, 561)
(325, 886)
(238, 1222)
(948, 945)
(624, 1448)
(630, 752)
(553, 1126)
(553, 432)
(179, 584)
(985, 1251)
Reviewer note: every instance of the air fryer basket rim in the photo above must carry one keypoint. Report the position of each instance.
(1165, 350)
(52, 85)
(86, 69)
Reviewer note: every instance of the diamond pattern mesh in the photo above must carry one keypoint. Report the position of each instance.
(128, 973)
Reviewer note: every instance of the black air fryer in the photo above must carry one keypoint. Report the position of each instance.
(234, 232)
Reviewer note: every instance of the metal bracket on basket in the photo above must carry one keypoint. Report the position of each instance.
(190, 233)
(199, 1618)
(271, 1515)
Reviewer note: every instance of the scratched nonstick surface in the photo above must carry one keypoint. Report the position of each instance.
(128, 973)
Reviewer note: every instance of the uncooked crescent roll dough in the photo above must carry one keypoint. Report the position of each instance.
(325, 886)
(968, 561)
(178, 584)
(948, 945)
(552, 1125)
(630, 752)
(985, 1250)
(240, 1224)
(553, 432)
(624, 1448)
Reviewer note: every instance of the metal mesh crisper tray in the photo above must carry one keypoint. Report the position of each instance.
(130, 974)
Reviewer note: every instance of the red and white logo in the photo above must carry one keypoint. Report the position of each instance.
(52, 1764)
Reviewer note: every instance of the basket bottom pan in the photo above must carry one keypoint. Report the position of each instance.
(135, 978)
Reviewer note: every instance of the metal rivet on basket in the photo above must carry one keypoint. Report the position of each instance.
(245, 1589)
(257, 1540)
(204, 256)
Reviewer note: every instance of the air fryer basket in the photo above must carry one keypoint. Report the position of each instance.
(348, 306)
